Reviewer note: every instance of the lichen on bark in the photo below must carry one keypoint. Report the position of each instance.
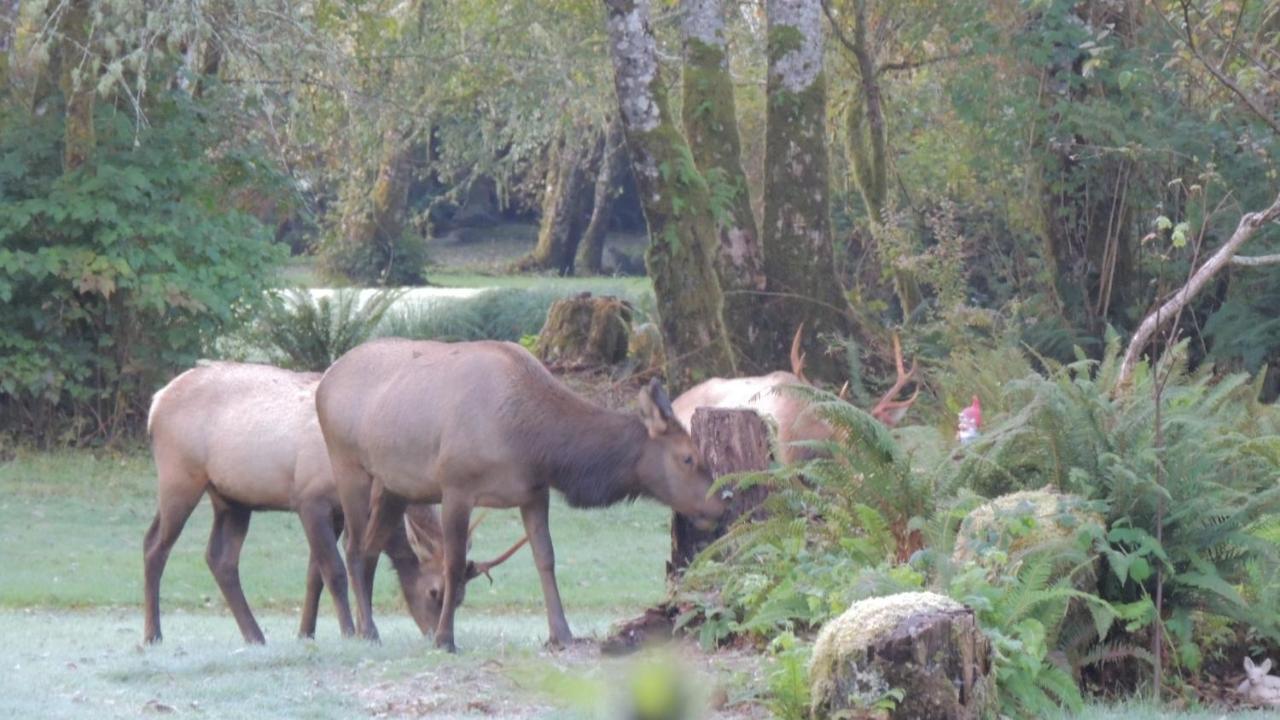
(799, 260)
(710, 123)
(676, 205)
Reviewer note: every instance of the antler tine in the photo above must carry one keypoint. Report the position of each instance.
(484, 567)
(797, 356)
(888, 410)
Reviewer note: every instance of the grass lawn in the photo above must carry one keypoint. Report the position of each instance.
(71, 526)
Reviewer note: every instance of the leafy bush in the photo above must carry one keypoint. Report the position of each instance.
(310, 332)
(117, 273)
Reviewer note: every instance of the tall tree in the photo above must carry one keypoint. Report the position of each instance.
(866, 143)
(612, 164)
(79, 82)
(798, 258)
(677, 205)
(564, 203)
(711, 126)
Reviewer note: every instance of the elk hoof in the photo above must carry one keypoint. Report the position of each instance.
(447, 646)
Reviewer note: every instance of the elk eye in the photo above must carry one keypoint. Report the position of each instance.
(688, 459)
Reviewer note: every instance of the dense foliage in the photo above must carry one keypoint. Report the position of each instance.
(117, 273)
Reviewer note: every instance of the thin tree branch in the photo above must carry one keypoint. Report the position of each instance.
(1249, 224)
(1255, 261)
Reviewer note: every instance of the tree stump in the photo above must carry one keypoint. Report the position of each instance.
(585, 332)
(728, 441)
(927, 646)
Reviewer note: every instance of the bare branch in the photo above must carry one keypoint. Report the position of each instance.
(1249, 224)
(1255, 261)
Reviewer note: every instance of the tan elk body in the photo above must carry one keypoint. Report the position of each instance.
(768, 396)
(247, 436)
(484, 424)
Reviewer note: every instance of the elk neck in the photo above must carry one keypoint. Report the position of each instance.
(588, 453)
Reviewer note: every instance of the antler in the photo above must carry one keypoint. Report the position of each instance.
(797, 357)
(888, 410)
(475, 570)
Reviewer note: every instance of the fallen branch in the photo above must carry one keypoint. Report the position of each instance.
(1256, 261)
(1249, 224)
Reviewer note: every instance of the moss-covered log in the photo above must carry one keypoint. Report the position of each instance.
(711, 125)
(608, 178)
(677, 206)
(79, 84)
(799, 261)
(564, 204)
(585, 332)
(926, 646)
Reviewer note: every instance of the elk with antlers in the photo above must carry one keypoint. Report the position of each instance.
(766, 395)
(246, 435)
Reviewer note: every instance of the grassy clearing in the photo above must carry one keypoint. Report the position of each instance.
(76, 521)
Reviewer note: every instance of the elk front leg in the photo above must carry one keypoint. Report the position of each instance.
(538, 530)
(230, 525)
(455, 516)
(321, 527)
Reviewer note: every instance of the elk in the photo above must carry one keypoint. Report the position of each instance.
(766, 395)
(484, 424)
(247, 436)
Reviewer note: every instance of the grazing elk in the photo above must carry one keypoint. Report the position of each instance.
(767, 395)
(247, 436)
(484, 424)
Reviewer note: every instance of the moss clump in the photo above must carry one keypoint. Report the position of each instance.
(845, 639)
(1002, 532)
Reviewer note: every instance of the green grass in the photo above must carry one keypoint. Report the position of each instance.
(74, 522)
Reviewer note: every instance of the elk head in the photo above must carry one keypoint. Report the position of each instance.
(426, 538)
(670, 468)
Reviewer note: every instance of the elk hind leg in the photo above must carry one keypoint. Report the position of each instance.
(230, 525)
(177, 495)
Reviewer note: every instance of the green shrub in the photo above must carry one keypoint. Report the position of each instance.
(115, 274)
(309, 333)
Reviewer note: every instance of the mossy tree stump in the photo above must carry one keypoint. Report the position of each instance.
(585, 331)
(728, 441)
(926, 646)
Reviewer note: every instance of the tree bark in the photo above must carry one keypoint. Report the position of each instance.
(710, 121)
(866, 143)
(728, 441)
(591, 246)
(677, 206)
(79, 84)
(799, 261)
(585, 332)
(563, 206)
(373, 222)
(8, 31)
(1249, 224)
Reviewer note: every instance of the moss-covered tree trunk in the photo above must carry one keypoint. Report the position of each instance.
(564, 205)
(8, 32)
(79, 82)
(799, 261)
(711, 125)
(612, 162)
(866, 144)
(677, 205)
(371, 247)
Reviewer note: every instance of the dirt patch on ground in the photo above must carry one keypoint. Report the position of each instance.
(574, 680)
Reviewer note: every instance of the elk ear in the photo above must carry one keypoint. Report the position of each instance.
(655, 409)
(424, 531)
(1265, 667)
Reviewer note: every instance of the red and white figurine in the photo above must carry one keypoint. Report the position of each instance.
(969, 422)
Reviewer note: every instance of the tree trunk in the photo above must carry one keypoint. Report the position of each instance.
(677, 206)
(8, 31)
(711, 125)
(798, 259)
(729, 441)
(591, 247)
(563, 206)
(373, 223)
(79, 83)
(867, 150)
